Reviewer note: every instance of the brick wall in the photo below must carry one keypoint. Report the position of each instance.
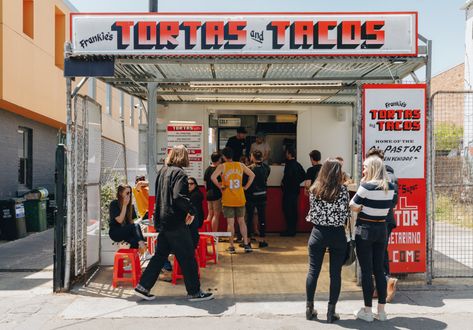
(44, 148)
(449, 108)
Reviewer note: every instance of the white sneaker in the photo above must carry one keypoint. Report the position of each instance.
(381, 316)
(147, 256)
(365, 316)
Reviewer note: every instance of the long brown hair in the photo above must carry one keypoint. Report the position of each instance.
(329, 181)
(129, 208)
(178, 156)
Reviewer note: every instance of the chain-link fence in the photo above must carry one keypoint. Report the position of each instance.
(85, 172)
(452, 230)
(78, 204)
(112, 174)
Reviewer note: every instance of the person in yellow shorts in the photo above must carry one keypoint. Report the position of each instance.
(233, 195)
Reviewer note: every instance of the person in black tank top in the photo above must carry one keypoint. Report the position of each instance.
(214, 195)
(256, 196)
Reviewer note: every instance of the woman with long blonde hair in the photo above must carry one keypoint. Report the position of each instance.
(328, 213)
(373, 199)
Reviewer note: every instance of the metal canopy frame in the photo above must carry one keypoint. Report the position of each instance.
(314, 80)
(259, 79)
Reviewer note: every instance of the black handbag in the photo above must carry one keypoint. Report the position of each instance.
(350, 256)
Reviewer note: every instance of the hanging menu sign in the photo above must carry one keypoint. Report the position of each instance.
(190, 136)
(394, 120)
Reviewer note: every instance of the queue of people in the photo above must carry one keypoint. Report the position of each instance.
(239, 190)
(330, 213)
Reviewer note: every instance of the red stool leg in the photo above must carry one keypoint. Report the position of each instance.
(202, 249)
(212, 256)
(136, 269)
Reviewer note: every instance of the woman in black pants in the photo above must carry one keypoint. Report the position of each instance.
(329, 213)
(372, 200)
(122, 228)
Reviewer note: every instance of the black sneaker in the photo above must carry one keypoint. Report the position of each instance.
(231, 250)
(143, 293)
(248, 248)
(201, 296)
(263, 244)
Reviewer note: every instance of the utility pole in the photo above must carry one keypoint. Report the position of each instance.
(153, 6)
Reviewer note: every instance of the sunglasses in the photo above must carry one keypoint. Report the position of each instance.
(191, 183)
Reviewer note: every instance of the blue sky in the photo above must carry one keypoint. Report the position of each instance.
(442, 21)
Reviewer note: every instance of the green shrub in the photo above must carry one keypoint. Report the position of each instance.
(447, 136)
(108, 192)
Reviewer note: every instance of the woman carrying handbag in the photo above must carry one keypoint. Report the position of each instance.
(328, 213)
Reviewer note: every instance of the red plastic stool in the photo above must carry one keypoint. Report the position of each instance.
(177, 272)
(204, 253)
(118, 271)
(151, 241)
(206, 227)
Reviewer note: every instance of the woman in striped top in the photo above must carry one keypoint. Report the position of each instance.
(373, 200)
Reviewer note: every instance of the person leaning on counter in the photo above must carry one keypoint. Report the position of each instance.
(238, 144)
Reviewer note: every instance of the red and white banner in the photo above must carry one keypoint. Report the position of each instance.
(394, 120)
(192, 137)
(323, 34)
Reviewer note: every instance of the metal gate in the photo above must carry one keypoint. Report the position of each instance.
(85, 165)
(452, 225)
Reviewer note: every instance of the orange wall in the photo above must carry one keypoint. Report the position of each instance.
(31, 84)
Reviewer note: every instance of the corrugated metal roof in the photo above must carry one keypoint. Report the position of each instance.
(258, 79)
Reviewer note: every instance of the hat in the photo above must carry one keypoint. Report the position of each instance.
(241, 129)
(260, 134)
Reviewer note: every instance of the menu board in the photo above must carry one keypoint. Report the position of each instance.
(192, 137)
(394, 120)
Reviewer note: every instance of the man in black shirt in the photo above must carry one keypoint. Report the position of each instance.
(238, 144)
(294, 175)
(313, 172)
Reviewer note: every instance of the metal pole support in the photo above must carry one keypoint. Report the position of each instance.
(151, 136)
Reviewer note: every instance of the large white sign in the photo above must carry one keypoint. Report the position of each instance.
(192, 137)
(368, 34)
(394, 120)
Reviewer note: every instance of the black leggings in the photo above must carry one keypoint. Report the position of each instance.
(321, 238)
(370, 238)
(130, 233)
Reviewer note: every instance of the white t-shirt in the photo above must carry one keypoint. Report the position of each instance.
(263, 147)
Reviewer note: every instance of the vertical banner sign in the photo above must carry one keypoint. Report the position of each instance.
(394, 120)
(192, 137)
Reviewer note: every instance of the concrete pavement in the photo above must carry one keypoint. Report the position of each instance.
(26, 302)
(252, 292)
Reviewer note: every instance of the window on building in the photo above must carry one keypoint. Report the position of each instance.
(25, 157)
(28, 18)
(140, 109)
(108, 99)
(59, 37)
(92, 88)
(132, 111)
(122, 105)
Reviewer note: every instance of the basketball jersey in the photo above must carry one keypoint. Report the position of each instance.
(232, 179)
